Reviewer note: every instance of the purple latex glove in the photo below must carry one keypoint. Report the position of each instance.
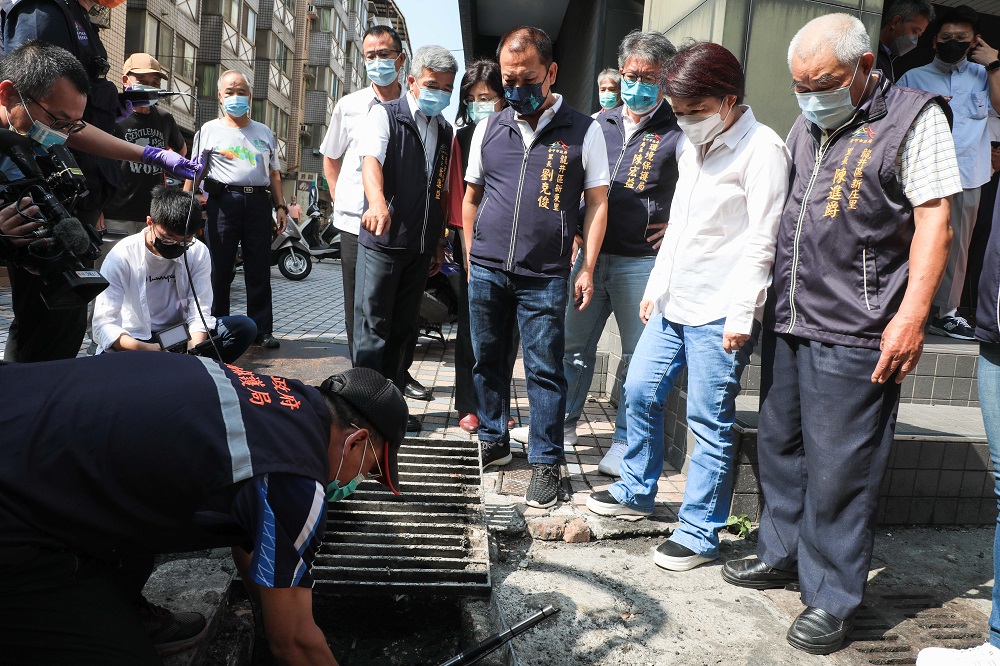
(125, 109)
(172, 162)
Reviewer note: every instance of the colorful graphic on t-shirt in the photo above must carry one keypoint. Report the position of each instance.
(239, 152)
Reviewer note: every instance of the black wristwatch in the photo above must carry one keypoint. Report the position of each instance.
(993, 66)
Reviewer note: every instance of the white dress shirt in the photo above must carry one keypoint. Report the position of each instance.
(123, 308)
(347, 125)
(375, 139)
(595, 152)
(716, 258)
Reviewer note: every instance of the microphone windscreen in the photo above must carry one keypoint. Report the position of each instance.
(70, 231)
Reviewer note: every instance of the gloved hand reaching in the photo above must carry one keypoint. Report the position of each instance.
(125, 109)
(172, 162)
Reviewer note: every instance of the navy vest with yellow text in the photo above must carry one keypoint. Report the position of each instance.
(531, 195)
(643, 172)
(414, 196)
(842, 259)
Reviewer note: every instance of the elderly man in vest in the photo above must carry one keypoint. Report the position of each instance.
(862, 245)
(529, 165)
(406, 149)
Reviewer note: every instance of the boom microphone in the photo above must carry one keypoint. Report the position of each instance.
(70, 231)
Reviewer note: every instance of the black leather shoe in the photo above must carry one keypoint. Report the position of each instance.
(417, 391)
(267, 341)
(751, 572)
(817, 632)
(413, 424)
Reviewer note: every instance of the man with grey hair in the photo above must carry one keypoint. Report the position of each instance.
(243, 187)
(405, 149)
(609, 90)
(902, 24)
(641, 138)
(862, 245)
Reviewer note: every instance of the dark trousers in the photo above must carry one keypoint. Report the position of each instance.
(61, 609)
(235, 218)
(824, 438)
(387, 293)
(348, 267)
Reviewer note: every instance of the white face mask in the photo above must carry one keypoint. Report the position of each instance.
(702, 129)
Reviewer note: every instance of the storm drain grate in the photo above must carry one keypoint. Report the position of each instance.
(432, 539)
(891, 628)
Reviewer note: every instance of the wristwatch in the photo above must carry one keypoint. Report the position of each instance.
(281, 207)
(993, 66)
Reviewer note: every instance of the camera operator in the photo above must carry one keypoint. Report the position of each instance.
(161, 277)
(43, 95)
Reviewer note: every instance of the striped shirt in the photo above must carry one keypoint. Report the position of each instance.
(926, 165)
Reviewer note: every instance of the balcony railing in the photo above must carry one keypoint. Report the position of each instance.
(237, 43)
(279, 81)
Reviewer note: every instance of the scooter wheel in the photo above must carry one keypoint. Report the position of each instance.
(294, 266)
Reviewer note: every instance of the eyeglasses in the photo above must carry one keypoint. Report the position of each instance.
(481, 98)
(633, 78)
(384, 54)
(171, 242)
(960, 36)
(58, 124)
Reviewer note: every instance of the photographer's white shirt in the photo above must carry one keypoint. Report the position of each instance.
(147, 292)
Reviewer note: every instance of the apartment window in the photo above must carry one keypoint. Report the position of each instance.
(208, 79)
(281, 55)
(248, 23)
(159, 42)
(325, 22)
(186, 57)
(240, 16)
(257, 110)
(318, 78)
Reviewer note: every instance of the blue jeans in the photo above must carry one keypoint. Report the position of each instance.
(989, 401)
(664, 349)
(619, 283)
(237, 333)
(500, 302)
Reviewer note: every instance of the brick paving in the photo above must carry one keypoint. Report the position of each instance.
(312, 309)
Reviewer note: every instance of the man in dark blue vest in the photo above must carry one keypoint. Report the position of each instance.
(406, 150)
(174, 453)
(862, 246)
(529, 166)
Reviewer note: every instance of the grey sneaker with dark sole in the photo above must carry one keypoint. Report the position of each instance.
(543, 491)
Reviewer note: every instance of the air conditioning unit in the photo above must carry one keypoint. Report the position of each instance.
(305, 130)
(311, 12)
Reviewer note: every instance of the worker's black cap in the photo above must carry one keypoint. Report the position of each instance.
(382, 405)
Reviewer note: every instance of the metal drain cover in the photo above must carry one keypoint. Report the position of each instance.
(430, 540)
(891, 627)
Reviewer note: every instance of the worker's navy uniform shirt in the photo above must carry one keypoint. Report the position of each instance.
(150, 452)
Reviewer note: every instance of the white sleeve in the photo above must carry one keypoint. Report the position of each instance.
(928, 167)
(336, 140)
(107, 322)
(595, 158)
(765, 183)
(201, 274)
(375, 134)
(474, 173)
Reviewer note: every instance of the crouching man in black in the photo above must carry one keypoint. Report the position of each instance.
(112, 459)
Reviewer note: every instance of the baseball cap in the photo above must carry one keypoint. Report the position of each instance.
(382, 405)
(142, 63)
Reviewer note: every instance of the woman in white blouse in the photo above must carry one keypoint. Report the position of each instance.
(703, 296)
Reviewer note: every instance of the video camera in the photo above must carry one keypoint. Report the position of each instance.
(54, 183)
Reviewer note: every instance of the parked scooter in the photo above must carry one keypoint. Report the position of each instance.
(291, 253)
(325, 245)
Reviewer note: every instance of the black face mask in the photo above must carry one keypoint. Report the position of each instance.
(172, 251)
(952, 51)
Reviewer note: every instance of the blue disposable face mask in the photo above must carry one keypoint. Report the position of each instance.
(525, 99)
(237, 105)
(41, 134)
(432, 102)
(381, 71)
(608, 100)
(336, 492)
(830, 109)
(479, 111)
(640, 97)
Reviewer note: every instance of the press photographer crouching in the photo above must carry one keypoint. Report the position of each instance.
(43, 97)
(159, 293)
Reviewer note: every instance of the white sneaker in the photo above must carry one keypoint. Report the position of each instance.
(521, 435)
(612, 460)
(984, 655)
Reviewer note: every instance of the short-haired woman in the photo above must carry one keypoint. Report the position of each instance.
(702, 298)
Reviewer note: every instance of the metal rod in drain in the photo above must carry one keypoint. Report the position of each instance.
(495, 641)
